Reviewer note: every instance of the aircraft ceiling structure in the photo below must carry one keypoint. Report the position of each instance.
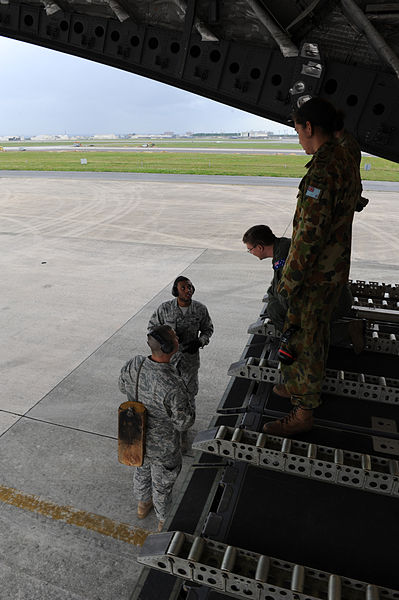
(261, 56)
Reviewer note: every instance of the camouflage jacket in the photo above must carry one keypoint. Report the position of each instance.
(196, 322)
(351, 145)
(322, 229)
(166, 398)
(276, 303)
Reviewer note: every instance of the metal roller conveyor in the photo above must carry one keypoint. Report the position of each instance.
(334, 588)
(243, 574)
(376, 341)
(332, 465)
(384, 309)
(372, 313)
(377, 303)
(385, 343)
(374, 289)
(265, 327)
(250, 368)
(298, 578)
(339, 383)
(360, 385)
(347, 474)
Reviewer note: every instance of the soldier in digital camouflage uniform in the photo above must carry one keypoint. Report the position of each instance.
(193, 325)
(170, 410)
(318, 263)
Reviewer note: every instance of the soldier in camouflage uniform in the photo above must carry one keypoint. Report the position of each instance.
(170, 410)
(193, 325)
(351, 144)
(262, 243)
(318, 263)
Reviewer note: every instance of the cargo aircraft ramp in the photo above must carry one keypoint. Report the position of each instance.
(256, 517)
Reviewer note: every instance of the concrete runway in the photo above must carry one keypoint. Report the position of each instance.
(85, 261)
(185, 150)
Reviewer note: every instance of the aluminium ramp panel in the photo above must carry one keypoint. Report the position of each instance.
(380, 338)
(386, 447)
(243, 573)
(334, 465)
(245, 501)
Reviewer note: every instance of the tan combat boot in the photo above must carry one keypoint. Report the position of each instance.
(160, 526)
(143, 508)
(299, 420)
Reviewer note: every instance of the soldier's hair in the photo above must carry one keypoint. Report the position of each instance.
(160, 339)
(319, 113)
(175, 291)
(259, 234)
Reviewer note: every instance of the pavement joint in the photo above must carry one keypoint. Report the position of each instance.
(102, 435)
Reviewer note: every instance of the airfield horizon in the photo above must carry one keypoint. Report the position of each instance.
(233, 158)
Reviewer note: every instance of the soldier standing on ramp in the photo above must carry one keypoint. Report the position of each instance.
(193, 325)
(318, 262)
(170, 410)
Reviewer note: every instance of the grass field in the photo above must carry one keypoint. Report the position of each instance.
(168, 162)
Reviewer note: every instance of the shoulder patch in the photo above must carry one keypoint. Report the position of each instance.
(313, 192)
(278, 264)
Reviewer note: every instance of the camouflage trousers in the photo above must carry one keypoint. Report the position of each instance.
(312, 313)
(188, 371)
(156, 480)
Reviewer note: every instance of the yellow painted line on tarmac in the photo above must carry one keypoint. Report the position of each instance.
(67, 514)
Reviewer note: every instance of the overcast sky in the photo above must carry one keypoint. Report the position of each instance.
(48, 92)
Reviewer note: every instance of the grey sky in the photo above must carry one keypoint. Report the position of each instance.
(48, 92)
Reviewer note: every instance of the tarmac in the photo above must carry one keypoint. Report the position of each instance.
(85, 262)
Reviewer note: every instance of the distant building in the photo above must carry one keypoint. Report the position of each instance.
(152, 136)
(11, 138)
(269, 135)
(216, 134)
(43, 137)
(255, 134)
(105, 136)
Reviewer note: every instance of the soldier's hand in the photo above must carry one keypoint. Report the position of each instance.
(192, 347)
